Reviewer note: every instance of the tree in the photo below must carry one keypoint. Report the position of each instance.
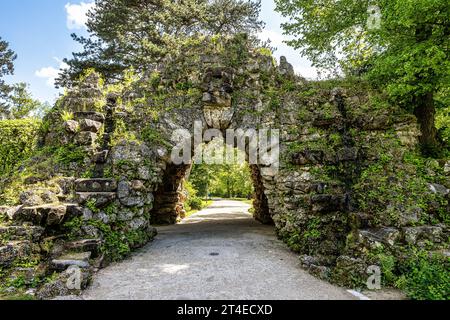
(407, 53)
(7, 57)
(222, 180)
(200, 179)
(20, 104)
(139, 33)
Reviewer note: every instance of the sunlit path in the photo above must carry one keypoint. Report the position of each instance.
(218, 253)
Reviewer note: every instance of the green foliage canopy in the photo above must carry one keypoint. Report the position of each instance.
(139, 33)
(7, 57)
(18, 139)
(226, 180)
(20, 104)
(407, 53)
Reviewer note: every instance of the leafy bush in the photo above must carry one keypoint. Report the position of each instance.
(443, 115)
(387, 190)
(195, 203)
(69, 154)
(18, 139)
(426, 277)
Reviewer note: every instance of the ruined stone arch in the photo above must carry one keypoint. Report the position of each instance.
(108, 167)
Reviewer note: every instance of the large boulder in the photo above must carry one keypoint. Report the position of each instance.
(129, 197)
(41, 215)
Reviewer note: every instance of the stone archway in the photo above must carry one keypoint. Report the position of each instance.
(106, 174)
(218, 110)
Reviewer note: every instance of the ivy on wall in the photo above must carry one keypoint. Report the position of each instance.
(18, 138)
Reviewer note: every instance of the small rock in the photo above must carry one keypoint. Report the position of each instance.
(30, 198)
(438, 189)
(90, 125)
(87, 214)
(12, 212)
(127, 196)
(85, 138)
(31, 292)
(101, 157)
(7, 255)
(80, 260)
(137, 185)
(13, 250)
(125, 215)
(144, 173)
(101, 198)
(71, 126)
(102, 217)
(381, 235)
(91, 115)
(92, 245)
(410, 216)
(447, 167)
(138, 223)
(15, 233)
(55, 215)
(52, 289)
(286, 68)
(49, 197)
(91, 232)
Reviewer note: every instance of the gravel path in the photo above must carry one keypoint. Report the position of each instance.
(218, 253)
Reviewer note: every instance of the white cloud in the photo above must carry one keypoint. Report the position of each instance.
(276, 38)
(306, 71)
(77, 14)
(51, 73)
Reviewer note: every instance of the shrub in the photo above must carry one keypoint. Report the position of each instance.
(193, 202)
(18, 139)
(426, 277)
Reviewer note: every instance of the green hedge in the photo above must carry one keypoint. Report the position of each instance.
(18, 139)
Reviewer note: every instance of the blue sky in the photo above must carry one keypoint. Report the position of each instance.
(39, 32)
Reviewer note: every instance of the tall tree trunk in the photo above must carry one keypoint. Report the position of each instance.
(424, 108)
(425, 112)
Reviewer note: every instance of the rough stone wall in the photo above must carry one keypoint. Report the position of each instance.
(332, 140)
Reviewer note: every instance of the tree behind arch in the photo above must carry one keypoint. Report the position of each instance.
(139, 33)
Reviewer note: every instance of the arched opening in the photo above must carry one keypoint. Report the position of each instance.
(216, 180)
(168, 205)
